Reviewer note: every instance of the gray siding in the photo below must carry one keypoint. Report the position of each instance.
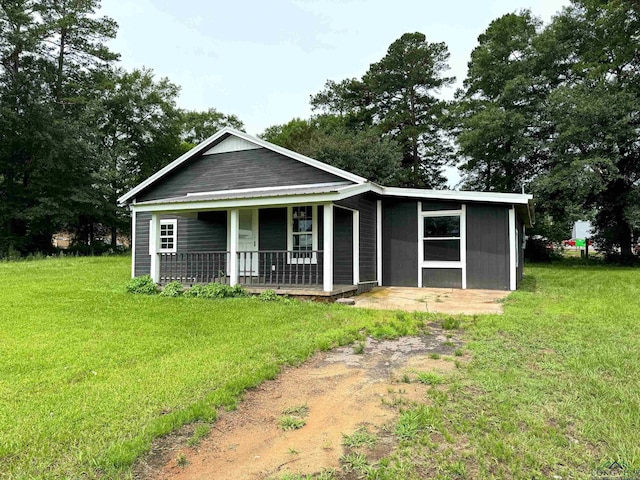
(366, 205)
(342, 247)
(430, 205)
(207, 233)
(236, 170)
(400, 243)
(272, 228)
(488, 246)
(442, 277)
(520, 271)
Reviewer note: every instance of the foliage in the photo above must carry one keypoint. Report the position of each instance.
(269, 296)
(172, 289)
(94, 374)
(200, 432)
(329, 138)
(143, 285)
(215, 290)
(397, 95)
(196, 127)
(555, 109)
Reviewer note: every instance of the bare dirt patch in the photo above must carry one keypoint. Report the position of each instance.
(342, 390)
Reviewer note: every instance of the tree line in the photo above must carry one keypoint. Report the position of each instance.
(552, 110)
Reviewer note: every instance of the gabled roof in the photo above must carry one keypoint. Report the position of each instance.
(222, 135)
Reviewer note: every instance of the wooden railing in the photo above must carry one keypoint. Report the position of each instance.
(259, 268)
(190, 268)
(280, 267)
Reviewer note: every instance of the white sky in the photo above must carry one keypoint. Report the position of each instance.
(261, 60)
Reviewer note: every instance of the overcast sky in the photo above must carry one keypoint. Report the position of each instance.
(261, 60)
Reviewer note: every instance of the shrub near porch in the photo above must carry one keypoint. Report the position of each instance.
(90, 374)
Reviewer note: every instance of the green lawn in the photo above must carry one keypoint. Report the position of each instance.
(90, 374)
(552, 389)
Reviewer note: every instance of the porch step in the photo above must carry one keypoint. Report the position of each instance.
(303, 291)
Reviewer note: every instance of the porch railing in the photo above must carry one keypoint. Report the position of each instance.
(257, 268)
(280, 267)
(194, 267)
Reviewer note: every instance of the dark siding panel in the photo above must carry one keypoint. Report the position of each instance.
(442, 277)
(143, 259)
(206, 234)
(366, 205)
(400, 243)
(273, 228)
(342, 247)
(236, 170)
(429, 205)
(488, 247)
(520, 252)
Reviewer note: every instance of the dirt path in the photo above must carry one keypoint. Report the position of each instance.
(342, 391)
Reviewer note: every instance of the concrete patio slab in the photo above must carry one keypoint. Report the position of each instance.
(452, 301)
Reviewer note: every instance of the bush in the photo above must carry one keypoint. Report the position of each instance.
(269, 296)
(215, 290)
(143, 285)
(172, 289)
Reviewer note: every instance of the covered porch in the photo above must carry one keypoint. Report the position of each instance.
(252, 238)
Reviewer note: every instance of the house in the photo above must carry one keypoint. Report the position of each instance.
(241, 210)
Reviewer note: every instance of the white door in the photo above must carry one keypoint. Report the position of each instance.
(248, 242)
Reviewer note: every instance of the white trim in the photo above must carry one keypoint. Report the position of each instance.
(234, 222)
(458, 264)
(379, 240)
(356, 247)
(463, 245)
(512, 249)
(420, 243)
(133, 243)
(485, 197)
(154, 232)
(327, 276)
(204, 146)
(173, 222)
(231, 144)
(267, 189)
(314, 235)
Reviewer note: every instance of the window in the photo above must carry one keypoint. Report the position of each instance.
(303, 234)
(168, 236)
(441, 238)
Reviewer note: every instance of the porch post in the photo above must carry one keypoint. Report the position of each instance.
(154, 236)
(234, 227)
(327, 247)
(356, 247)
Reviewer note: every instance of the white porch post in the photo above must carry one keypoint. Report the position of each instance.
(356, 247)
(154, 240)
(513, 249)
(327, 247)
(234, 227)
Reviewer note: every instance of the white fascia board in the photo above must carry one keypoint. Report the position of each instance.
(301, 158)
(251, 202)
(488, 197)
(202, 147)
(180, 160)
(267, 189)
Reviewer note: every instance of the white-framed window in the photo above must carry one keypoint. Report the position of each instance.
(168, 236)
(441, 237)
(302, 233)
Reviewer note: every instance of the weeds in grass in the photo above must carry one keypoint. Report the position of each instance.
(434, 356)
(358, 348)
(298, 410)
(182, 460)
(199, 433)
(412, 422)
(448, 343)
(293, 451)
(289, 422)
(451, 323)
(459, 352)
(430, 378)
(354, 462)
(406, 378)
(359, 438)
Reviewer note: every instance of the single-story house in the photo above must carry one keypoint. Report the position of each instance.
(240, 210)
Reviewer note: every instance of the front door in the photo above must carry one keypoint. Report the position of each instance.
(248, 242)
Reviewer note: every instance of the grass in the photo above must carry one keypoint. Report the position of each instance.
(90, 375)
(552, 389)
(289, 422)
(359, 438)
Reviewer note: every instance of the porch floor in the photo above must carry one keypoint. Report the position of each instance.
(302, 290)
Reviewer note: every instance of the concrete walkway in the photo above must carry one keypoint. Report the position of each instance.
(452, 301)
